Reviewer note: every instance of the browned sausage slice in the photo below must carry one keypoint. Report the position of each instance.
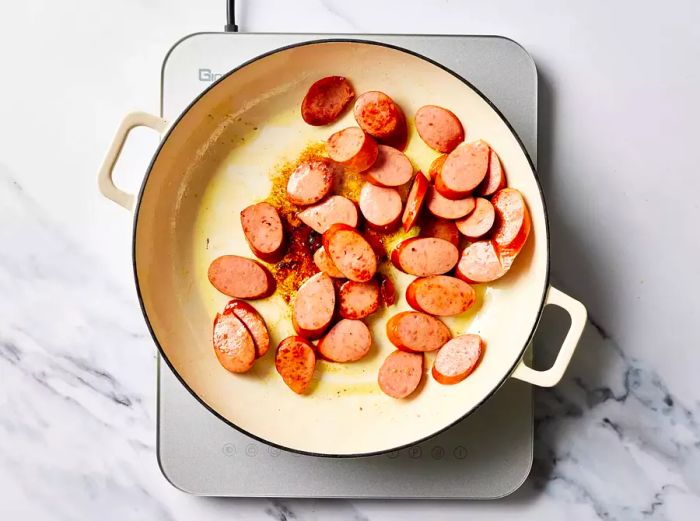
(314, 306)
(263, 230)
(295, 361)
(381, 207)
(347, 341)
(310, 182)
(398, 139)
(457, 359)
(377, 114)
(240, 277)
(495, 176)
(512, 224)
(441, 206)
(439, 128)
(387, 291)
(440, 295)
(353, 148)
(414, 202)
(424, 256)
(479, 222)
(350, 252)
(326, 100)
(253, 322)
(325, 264)
(400, 374)
(436, 166)
(358, 299)
(480, 263)
(463, 170)
(233, 344)
(392, 168)
(417, 332)
(335, 209)
(441, 229)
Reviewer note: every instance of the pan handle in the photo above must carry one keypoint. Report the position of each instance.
(104, 177)
(551, 376)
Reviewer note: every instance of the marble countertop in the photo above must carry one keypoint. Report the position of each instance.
(618, 439)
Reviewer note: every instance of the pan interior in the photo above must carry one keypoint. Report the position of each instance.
(218, 159)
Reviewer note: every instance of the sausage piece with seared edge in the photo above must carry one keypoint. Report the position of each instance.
(352, 148)
(295, 361)
(358, 299)
(463, 170)
(350, 252)
(254, 323)
(495, 177)
(480, 263)
(233, 344)
(441, 229)
(424, 256)
(400, 374)
(439, 128)
(325, 264)
(414, 202)
(381, 207)
(314, 306)
(377, 114)
(440, 295)
(326, 100)
(441, 206)
(347, 341)
(479, 222)
(457, 359)
(310, 182)
(512, 224)
(392, 168)
(417, 332)
(240, 277)
(335, 209)
(263, 230)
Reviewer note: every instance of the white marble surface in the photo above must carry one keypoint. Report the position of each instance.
(618, 439)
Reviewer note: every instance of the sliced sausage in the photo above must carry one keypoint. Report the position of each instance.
(387, 291)
(358, 299)
(495, 176)
(254, 323)
(463, 170)
(441, 229)
(417, 332)
(347, 341)
(310, 182)
(392, 168)
(263, 230)
(436, 166)
(326, 100)
(325, 264)
(381, 207)
(398, 139)
(457, 359)
(295, 361)
(376, 241)
(353, 148)
(480, 263)
(424, 256)
(479, 222)
(240, 277)
(440, 295)
(439, 128)
(414, 202)
(400, 374)
(441, 206)
(350, 252)
(314, 306)
(233, 344)
(335, 209)
(512, 223)
(377, 114)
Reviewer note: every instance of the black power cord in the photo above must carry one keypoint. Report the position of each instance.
(231, 26)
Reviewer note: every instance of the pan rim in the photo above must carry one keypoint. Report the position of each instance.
(184, 113)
